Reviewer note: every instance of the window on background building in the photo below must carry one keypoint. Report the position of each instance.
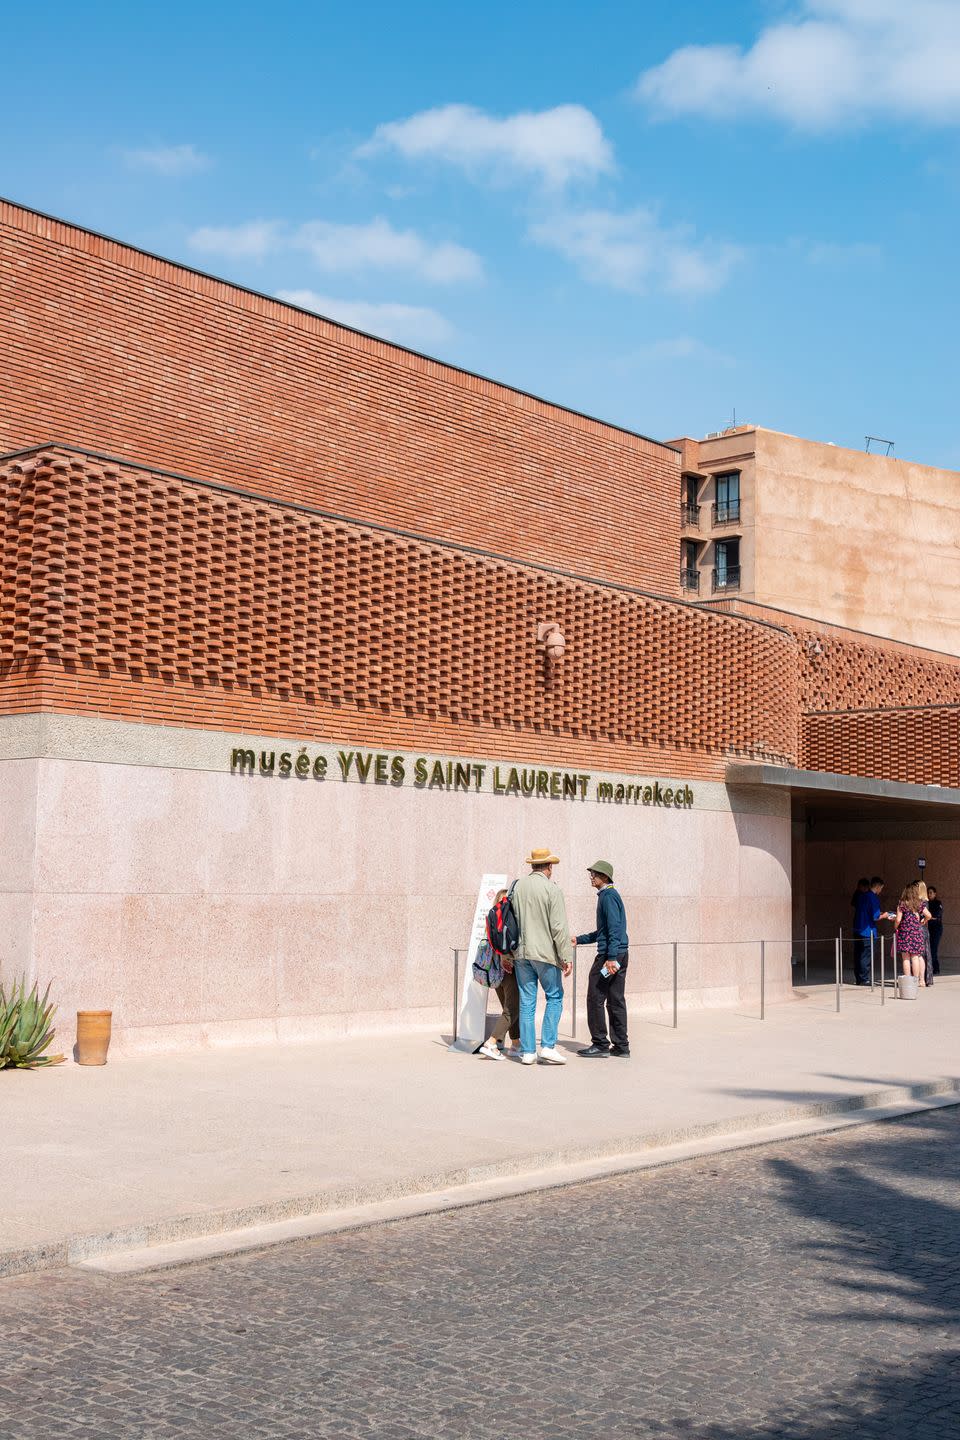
(689, 506)
(726, 511)
(689, 574)
(726, 573)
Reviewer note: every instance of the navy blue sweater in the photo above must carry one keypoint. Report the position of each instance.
(610, 936)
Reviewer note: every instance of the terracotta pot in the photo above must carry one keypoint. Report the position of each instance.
(93, 1036)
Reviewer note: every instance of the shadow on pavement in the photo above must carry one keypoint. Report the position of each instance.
(895, 1258)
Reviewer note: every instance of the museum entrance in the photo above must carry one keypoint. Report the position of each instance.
(845, 827)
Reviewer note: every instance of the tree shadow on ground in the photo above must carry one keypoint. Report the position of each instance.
(892, 1255)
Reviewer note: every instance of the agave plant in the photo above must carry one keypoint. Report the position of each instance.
(25, 1028)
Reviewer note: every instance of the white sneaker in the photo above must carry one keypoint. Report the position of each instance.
(528, 1059)
(552, 1057)
(489, 1051)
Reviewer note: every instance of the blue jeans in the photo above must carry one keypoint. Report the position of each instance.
(528, 972)
(861, 959)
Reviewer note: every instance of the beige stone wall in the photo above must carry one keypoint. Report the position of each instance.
(859, 540)
(205, 907)
(19, 779)
(838, 535)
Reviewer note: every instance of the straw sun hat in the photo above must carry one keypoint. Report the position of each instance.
(542, 857)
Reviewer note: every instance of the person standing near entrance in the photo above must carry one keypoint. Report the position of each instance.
(867, 911)
(935, 928)
(544, 957)
(910, 934)
(608, 973)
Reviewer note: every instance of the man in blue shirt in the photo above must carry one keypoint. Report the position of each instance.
(608, 973)
(867, 911)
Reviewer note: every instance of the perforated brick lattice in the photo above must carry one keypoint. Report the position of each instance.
(843, 673)
(170, 600)
(918, 746)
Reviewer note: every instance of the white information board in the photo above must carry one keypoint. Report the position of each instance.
(472, 1024)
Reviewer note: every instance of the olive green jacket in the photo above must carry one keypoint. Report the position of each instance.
(542, 913)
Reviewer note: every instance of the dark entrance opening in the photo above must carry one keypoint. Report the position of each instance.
(844, 827)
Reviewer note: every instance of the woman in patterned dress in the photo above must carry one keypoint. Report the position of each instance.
(910, 934)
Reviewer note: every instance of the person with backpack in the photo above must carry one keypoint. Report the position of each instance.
(544, 955)
(486, 969)
(608, 974)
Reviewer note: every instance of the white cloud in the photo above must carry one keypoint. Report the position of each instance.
(407, 324)
(834, 62)
(254, 240)
(337, 249)
(168, 160)
(559, 145)
(378, 246)
(633, 251)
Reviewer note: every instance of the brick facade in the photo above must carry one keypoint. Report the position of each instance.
(352, 592)
(918, 745)
(112, 349)
(146, 596)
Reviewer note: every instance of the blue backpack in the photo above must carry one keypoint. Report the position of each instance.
(488, 966)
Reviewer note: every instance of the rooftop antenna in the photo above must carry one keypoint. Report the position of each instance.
(875, 440)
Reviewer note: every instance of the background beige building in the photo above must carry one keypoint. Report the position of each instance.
(860, 540)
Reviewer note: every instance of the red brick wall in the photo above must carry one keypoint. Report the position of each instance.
(143, 596)
(919, 746)
(876, 707)
(111, 349)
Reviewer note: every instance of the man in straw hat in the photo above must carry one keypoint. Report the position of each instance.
(608, 974)
(545, 956)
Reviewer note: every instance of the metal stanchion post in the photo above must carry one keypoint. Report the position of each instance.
(763, 959)
(883, 973)
(871, 961)
(574, 1005)
(840, 934)
(456, 987)
(676, 947)
(894, 964)
(805, 957)
(836, 945)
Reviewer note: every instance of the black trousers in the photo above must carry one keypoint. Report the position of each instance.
(605, 997)
(935, 932)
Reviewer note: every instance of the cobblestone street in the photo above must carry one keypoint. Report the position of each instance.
(809, 1291)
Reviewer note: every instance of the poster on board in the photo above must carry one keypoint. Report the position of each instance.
(471, 1028)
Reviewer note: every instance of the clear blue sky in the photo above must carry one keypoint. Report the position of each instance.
(653, 213)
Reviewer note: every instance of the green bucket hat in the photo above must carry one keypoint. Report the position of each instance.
(601, 867)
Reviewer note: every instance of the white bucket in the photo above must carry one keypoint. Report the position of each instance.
(908, 986)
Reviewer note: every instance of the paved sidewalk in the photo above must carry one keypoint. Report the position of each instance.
(165, 1146)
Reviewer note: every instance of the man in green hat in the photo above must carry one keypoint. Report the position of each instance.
(608, 973)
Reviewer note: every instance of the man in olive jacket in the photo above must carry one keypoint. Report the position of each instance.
(545, 955)
(608, 974)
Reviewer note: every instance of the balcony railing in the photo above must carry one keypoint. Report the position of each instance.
(727, 578)
(689, 578)
(726, 512)
(690, 515)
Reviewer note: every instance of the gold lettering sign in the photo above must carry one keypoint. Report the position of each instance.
(374, 767)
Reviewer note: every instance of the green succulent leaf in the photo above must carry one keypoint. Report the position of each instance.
(26, 1028)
